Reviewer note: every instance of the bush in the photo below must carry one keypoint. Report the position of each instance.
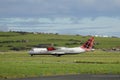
(18, 48)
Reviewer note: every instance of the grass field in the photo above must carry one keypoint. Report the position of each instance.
(25, 41)
(20, 64)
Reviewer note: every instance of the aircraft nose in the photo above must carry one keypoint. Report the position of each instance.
(31, 52)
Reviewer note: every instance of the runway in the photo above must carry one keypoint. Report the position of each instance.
(76, 77)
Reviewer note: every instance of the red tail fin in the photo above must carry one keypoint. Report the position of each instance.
(89, 44)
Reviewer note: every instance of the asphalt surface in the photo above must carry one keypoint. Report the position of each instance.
(76, 77)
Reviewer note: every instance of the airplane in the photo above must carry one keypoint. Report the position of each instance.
(87, 46)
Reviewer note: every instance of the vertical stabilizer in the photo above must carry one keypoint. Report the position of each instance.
(89, 44)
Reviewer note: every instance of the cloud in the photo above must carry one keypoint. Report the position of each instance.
(3, 27)
(88, 25)
(59, 8)
(63, 16)
(101, 21)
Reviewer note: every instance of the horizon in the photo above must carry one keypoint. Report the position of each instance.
(96, 35)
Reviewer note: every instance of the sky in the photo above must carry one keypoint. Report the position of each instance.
(84, 17)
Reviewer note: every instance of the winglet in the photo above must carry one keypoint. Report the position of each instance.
(89, 44)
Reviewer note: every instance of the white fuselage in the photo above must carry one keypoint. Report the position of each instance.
(72, 50)
(38, 50)
(60, 50)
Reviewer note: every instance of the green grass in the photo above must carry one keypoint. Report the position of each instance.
(9, 40)
(20, 64)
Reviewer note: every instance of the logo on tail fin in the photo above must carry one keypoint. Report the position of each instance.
(89, 44)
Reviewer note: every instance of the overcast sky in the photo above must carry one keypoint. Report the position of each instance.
(86, 17)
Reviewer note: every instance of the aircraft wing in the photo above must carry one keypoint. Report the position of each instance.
(61, 51)
(57, 52)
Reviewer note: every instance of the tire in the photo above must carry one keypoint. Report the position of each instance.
(58, 55)
(31, 54)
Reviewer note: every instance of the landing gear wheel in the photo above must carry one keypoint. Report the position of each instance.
(31, 54)
(58, 55)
